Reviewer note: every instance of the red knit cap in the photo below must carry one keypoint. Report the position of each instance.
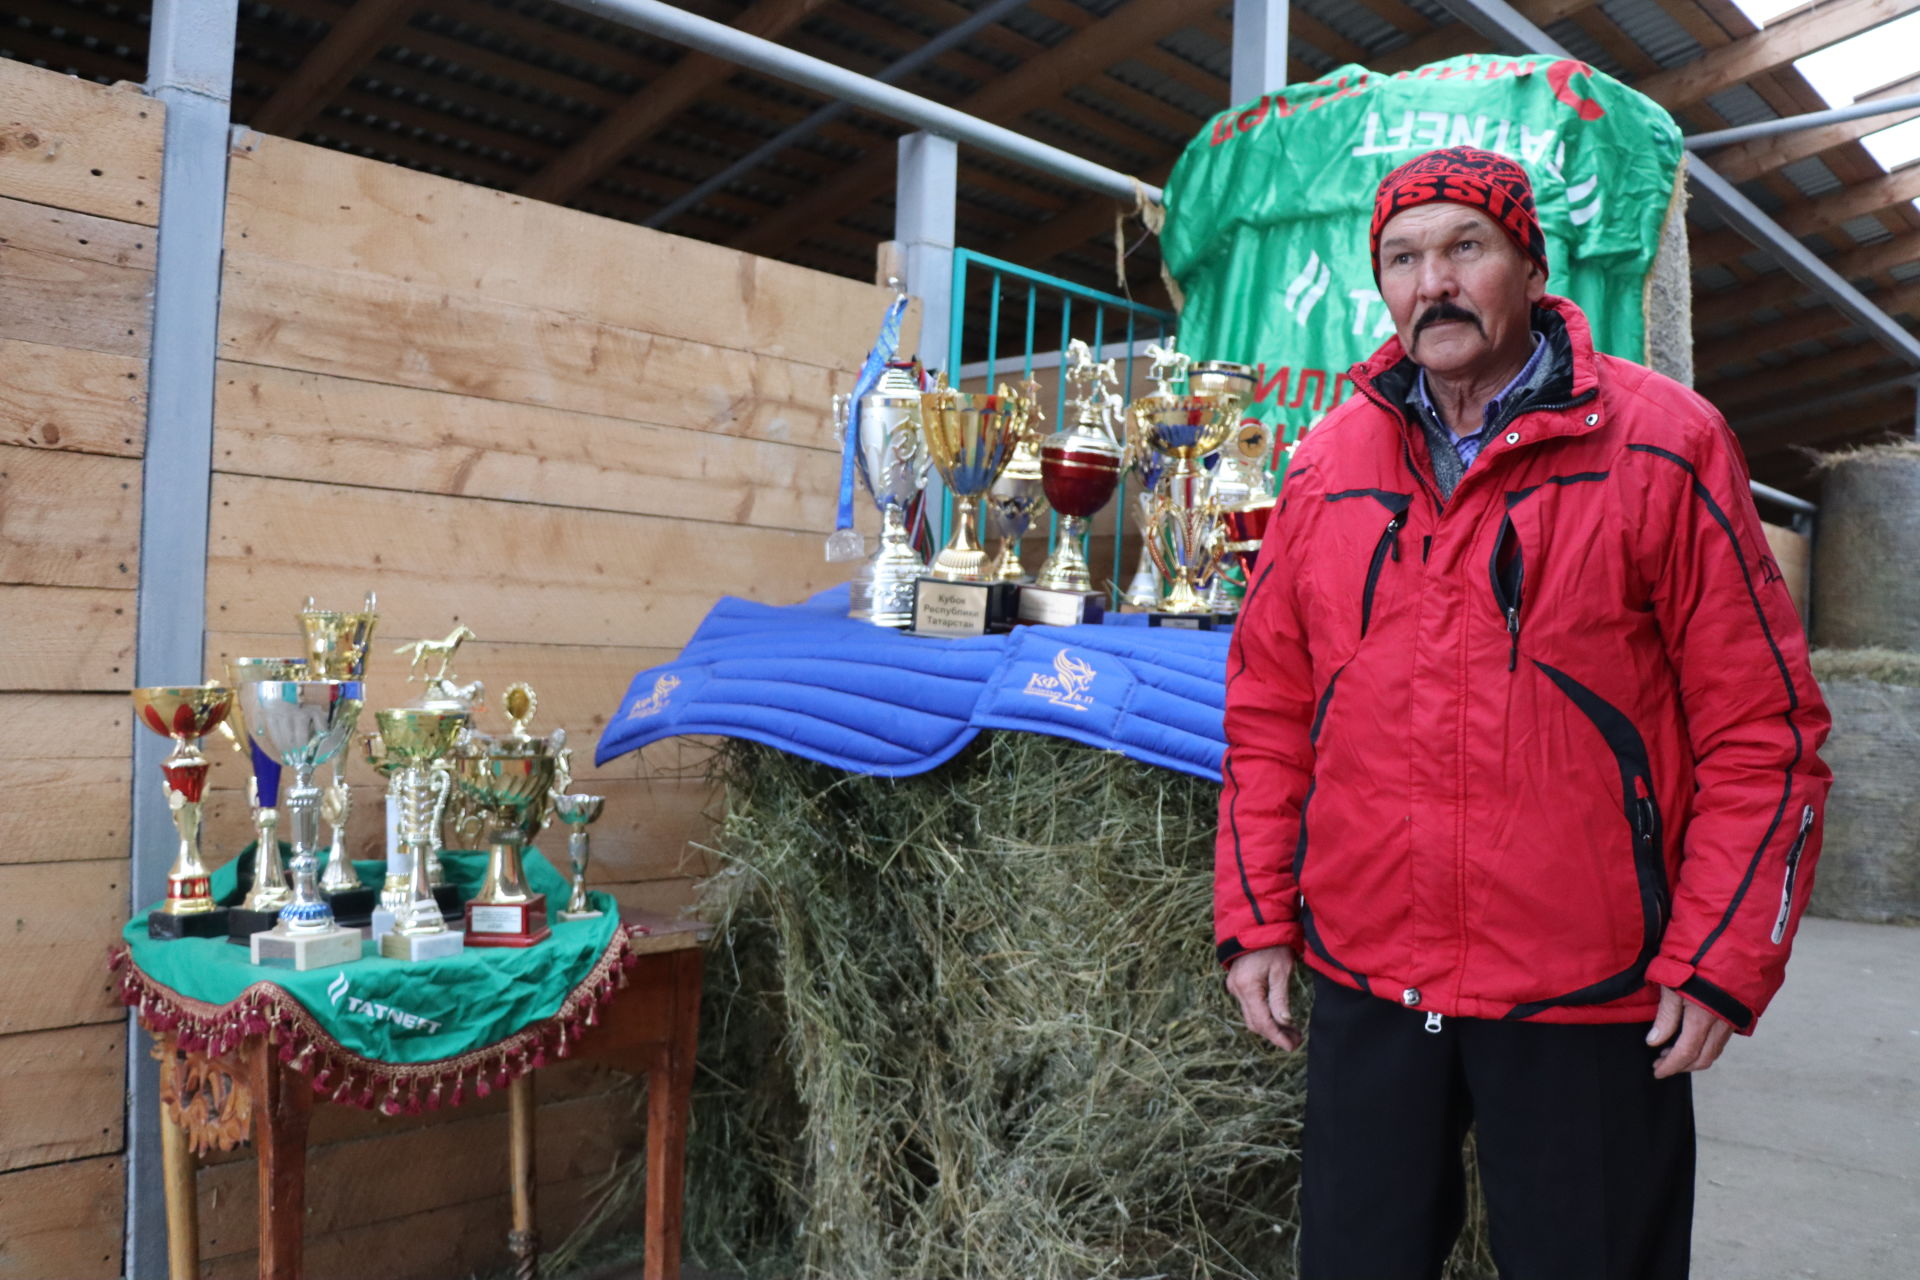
(1469, 176)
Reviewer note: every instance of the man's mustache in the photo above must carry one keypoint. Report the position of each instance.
(1445, 311)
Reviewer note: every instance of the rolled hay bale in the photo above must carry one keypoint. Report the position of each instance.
(1792, 553)
(969, 1026)
(1866, 589)
(1870, 854)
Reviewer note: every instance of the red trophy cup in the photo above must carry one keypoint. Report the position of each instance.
(1079, 470)
(186, 715)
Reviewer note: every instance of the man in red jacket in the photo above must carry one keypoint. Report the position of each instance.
(1521, 758)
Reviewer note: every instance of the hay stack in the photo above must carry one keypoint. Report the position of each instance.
(1866, 583)
(969, 1025)
(1870, 859)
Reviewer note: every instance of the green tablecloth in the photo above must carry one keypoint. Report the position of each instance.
(412, 1033)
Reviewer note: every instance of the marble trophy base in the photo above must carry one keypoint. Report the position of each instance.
(1049, 607)
(379, 921)
(422, 946)
(508, 924)
(303, 951)
(164, 926)
(956, 610)
(588, 914)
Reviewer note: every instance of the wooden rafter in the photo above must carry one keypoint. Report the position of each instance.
(640, 115)
(1776, 46)
(354, 38)
(1756, 393)
(1892, 411)
(1780, 289)
(1818, 216)
(1034, 84)
(1802, 326)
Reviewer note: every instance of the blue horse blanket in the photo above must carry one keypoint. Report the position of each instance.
(809, 680)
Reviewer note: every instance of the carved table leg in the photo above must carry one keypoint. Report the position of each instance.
(669, 1098)
(524, 1240)
(183, 1207)
(282, 1106)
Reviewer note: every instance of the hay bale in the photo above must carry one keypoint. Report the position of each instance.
(1865, 590)
(1669, 295)
(1870, 856)
(970, 1024)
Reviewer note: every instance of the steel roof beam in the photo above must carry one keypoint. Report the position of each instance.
(862, 91)
(1500, 21)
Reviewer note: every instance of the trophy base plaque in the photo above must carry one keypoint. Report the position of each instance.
(508, 924)
(956, 610)
(243, 923)
(1047, 607)
(164, 926)
(423, 946)
(353, 907)
(303, 951)
(1185, 621)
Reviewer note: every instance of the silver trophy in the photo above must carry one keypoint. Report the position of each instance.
(1013, 502)
(303, 724)
(578, 812)
(891, 453)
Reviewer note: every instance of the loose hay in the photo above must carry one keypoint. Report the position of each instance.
(970, 1024)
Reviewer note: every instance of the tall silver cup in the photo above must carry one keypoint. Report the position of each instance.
(302, 724)
(891, 454)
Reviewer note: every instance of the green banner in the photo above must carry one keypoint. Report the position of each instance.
(1268, 209)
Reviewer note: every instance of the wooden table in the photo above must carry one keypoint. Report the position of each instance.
(650, 1030)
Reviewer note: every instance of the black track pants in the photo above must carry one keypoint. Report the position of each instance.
(1587, 1160)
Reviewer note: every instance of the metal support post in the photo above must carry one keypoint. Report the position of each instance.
(925, 201)
(1259, 48)
(190, 71)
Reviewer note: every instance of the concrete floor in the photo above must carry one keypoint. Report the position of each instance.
(1810, 1129)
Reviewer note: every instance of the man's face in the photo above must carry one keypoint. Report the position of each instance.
(1460, 292)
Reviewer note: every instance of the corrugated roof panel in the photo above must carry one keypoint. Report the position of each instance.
(1181, 94)
(1812, 176)
(1741, 105)
(1866, 230)
(1652, 28)
(1432, 11)
(1356, 22)
(1906, 271)
(1710, 280)
(1201, 49)
(1586, 48)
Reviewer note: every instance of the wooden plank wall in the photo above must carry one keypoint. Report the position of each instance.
(568, 433)
(79, 193)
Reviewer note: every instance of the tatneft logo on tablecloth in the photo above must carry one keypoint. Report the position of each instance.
(340, 989)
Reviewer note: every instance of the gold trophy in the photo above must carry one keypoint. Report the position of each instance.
(1183, 536)
(433, 659)
(303, 724)
(579, 813)
(412, 739)
(970, 438)
(186, 715)
(509, 781)
(1242, 487)
(337, 650)
(1017, 497)
(269, 890)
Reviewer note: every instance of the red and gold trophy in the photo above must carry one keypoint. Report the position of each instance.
(1184, 534)
(1079, 468)
(186, 715)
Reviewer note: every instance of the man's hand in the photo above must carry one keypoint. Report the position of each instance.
(1702, 1035)
(1258, 980)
